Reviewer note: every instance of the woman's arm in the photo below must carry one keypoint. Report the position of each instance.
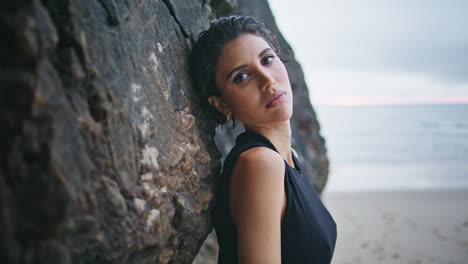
(256, 194)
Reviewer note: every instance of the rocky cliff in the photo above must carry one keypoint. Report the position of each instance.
(106, 154)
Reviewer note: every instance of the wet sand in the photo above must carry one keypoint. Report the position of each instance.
(400, 226)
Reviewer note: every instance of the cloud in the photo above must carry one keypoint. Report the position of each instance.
(420, 37)
(346, 87)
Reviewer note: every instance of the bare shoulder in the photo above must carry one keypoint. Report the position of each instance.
(258, 176)
(259, 159)
(256, 200)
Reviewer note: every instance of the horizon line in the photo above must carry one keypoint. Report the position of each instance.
(362, 101)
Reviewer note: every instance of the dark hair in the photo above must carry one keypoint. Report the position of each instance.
(208, 47)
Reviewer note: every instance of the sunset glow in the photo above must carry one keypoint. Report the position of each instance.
(354, 100)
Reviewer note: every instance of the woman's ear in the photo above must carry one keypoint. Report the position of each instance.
(219, 104)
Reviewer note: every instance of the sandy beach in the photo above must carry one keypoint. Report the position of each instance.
(400, 226)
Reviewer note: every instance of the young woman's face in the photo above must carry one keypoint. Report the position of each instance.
(249, 74)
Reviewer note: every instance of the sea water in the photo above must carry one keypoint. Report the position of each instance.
(396, 147)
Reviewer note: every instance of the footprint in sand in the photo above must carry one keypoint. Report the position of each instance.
(439, 235)
(395, 256)
(465, 224)
(412, 225)
(364, 245)
(388, 218)
(461, 227)
(462, 244)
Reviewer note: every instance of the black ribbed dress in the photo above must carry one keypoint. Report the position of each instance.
(308, 231)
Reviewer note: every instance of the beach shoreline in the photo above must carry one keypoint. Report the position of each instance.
(400, 226)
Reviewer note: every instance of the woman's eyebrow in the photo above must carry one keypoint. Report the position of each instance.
(263, 52)
(245, 65)
(234, 70)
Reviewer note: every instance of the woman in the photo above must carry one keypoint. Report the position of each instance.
(266, 210)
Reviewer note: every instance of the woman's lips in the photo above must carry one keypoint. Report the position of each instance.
(278, 100)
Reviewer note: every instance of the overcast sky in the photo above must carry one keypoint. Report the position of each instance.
(364, 51)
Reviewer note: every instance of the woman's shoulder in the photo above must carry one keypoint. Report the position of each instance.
(252, 155)
(249, 146)
(260, 154)
(258, 165)
(256, 182)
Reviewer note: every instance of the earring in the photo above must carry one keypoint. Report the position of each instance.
(228, 117)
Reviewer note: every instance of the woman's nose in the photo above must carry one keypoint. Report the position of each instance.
(267, 79)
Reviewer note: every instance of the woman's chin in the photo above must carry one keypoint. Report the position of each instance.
(284, 111)
(283, 115)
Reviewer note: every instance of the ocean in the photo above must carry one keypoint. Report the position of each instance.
(395, 147)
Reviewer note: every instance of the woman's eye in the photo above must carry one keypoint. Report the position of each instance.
(268, 59)
(240, 77)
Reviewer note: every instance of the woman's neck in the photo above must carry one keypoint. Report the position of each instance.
(280, 137)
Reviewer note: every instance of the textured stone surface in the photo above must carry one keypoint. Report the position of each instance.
(106, 155)
(107, 159)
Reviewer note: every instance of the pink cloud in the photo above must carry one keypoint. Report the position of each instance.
(388, 100)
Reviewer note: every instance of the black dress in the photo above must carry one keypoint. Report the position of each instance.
(308, 231)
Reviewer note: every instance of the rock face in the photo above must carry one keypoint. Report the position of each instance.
(106, 154)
